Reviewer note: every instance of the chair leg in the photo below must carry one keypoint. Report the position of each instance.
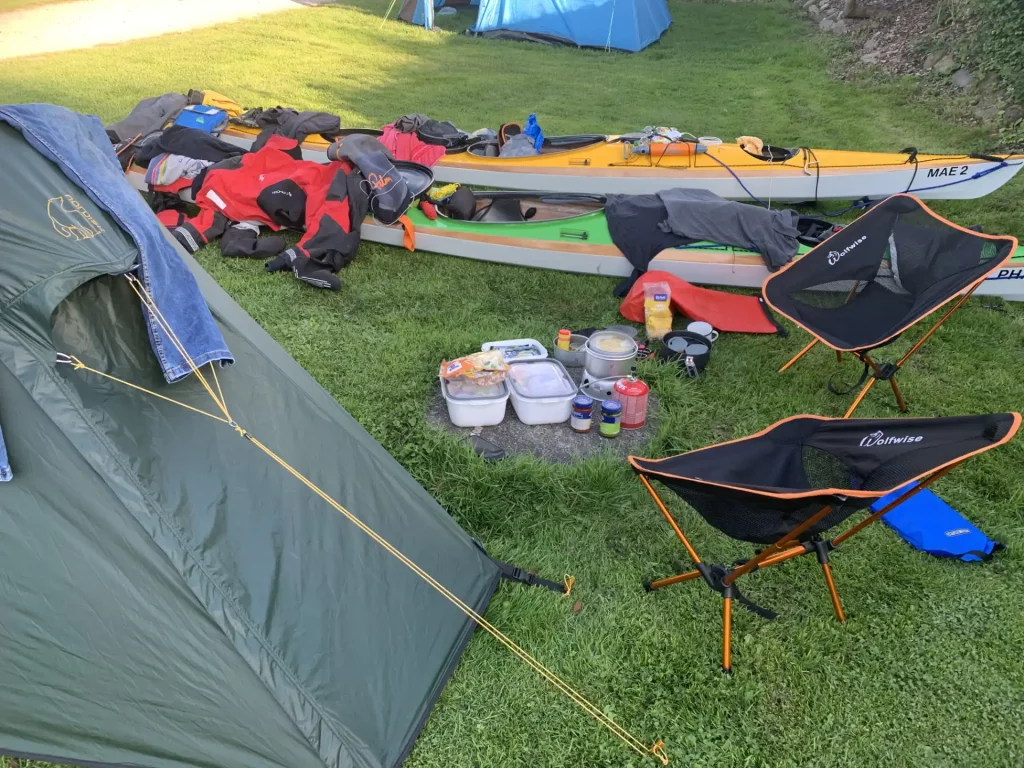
(650, 586)
(860, 397)
(799, 354)
(837, 606)
(727, 632)
(839, 356)
(899, 395)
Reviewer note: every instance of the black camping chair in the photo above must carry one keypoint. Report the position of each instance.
(788, 486)
(869, 282)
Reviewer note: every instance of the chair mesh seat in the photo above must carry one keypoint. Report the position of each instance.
(878, 276)
(761, 487)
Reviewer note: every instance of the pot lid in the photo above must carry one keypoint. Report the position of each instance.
(612, 345)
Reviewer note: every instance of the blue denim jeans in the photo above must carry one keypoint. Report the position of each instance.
(80, 147)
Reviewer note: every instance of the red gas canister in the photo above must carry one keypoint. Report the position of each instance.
(632, 393)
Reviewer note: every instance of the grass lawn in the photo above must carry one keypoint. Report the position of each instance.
(927, 671)
(17, 5)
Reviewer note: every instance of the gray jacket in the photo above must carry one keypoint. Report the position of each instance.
(703, 215)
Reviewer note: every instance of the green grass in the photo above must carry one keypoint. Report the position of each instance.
(926, 672)
(17, 5)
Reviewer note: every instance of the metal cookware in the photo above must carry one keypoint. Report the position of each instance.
(610, 353)
(690, 351)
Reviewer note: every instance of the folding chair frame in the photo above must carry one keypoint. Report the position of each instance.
(887, 371)
(722, 579)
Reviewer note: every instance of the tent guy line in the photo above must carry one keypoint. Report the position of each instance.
(656, 750)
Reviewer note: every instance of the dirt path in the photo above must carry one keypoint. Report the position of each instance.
(85, 23)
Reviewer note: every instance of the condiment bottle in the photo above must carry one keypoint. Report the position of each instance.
(582, 413)
(611, 418)
(563, 339)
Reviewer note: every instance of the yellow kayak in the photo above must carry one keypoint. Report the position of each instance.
(611, 165)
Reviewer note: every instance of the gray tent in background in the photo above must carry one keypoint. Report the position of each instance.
(168, 595)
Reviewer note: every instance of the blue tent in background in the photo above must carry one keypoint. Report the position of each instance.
(627, 25)
(421, 12)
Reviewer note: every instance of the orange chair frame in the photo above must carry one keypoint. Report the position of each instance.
(863, 356)
(786, 548)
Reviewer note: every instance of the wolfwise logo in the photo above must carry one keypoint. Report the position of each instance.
(69, 219)
(835, 256)
(879, 438)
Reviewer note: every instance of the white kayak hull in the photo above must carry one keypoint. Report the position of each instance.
(979, 180)
(703, 267)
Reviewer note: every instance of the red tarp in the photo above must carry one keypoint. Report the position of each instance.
(729, 312)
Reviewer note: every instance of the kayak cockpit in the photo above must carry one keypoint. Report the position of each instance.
(552, 145)
(520, 207)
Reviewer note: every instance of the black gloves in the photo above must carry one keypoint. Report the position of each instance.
(304, 269)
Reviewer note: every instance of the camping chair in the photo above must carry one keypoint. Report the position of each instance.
(868, 283)
(788, 486)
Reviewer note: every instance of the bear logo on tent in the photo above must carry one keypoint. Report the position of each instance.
(70, 219)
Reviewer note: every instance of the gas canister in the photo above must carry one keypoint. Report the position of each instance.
(632, 394)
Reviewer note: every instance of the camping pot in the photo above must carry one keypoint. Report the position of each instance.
(610, 354)
(689, 350)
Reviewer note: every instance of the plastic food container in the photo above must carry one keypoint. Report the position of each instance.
(473, 405)
(541, 391)
(517, 349)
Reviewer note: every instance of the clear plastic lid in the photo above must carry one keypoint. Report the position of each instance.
(461, 388)
(540, 379)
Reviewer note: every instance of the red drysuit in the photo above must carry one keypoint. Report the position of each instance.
(271, 187)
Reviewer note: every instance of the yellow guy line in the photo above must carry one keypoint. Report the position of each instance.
(657, 750)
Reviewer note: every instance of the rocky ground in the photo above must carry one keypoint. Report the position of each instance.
(903, 38)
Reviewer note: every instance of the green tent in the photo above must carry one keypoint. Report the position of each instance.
(168, 595)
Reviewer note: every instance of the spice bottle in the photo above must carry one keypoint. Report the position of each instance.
(564, 339)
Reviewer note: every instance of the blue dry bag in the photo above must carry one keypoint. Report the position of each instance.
(928, 523)
(205, 119)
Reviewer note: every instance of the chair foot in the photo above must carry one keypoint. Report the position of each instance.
(837, 606)
(727, 635)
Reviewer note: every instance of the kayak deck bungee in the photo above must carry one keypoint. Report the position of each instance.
(570, 234)
(612, 166)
